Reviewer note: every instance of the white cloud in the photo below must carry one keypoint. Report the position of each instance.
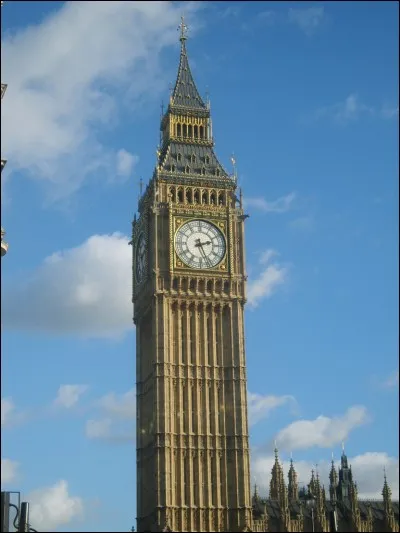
(117, 423)
(260, 406)
(68, 395)
(8, 471)
(367, 471)
(52, 507)
(62, 96)
(7, 407)
(84, 290)
(323, 431)
(308, 20)
(392, 381)
(281, 205)
(266, 283)
(123, 405)
(98, 429)
(126, 163)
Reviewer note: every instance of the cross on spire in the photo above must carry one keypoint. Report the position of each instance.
(183, 29)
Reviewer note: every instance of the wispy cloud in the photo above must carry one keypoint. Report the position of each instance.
(280, 205)
(116, 422)
(307, 19)
(305, 223)
(126, 163)
(392, 381)
(351, 109)
(260, 406)
(267, 282)
(267, 17)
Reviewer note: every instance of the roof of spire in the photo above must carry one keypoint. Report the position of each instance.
(185, 92)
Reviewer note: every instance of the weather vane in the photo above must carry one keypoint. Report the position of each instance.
(183, 29)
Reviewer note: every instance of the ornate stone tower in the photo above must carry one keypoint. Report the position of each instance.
(189, 295)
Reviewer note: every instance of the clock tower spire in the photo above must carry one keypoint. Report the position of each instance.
(193, 471)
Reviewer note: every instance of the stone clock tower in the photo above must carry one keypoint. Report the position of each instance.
(189, 294)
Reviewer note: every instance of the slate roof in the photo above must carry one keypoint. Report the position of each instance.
(193, 157)
(343, 510)
(185, 92)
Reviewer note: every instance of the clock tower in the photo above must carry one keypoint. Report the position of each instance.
(193, 471)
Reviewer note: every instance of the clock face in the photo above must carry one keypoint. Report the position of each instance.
(140, 258)
(200, 244)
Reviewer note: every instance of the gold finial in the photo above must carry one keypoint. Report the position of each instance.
(183, 29)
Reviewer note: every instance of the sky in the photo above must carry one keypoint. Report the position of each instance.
(305, 95)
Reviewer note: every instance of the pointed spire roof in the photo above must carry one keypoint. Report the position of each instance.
(386, 491)
(185, 92)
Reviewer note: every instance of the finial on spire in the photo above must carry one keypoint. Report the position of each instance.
(141, 186)
(343, 447)
(183, 29)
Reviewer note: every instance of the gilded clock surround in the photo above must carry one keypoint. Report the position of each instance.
(178, 222)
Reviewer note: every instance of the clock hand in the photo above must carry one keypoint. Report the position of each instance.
(206, 257)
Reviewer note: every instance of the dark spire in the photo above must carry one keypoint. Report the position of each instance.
(333, 479)
(185, 93)
(293, 489)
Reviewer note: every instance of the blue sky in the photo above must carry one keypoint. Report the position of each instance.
(306, 96)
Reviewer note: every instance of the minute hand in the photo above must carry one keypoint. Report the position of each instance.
(204, 255)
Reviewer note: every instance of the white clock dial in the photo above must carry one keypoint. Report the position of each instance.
(140, 258)
(200, 244)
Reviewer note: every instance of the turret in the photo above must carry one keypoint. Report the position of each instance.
(277, 481)
(333, 482)
(345, 479)
(293, 487)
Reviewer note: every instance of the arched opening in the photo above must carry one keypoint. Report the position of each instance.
(209, 286)
(172, 168)
(187, 169)
(196, 132)
(178, 130)
(207, 159)
(172, 194)
(190, 131)
(217, 172)
(180, 196)
(212, 198)
(226, 287)
(221, 199)
(196, 197)
(204, 198)
(179, 157)
(189, 196)
(193, 158)
(184, 130)
(201, 132)
(203, 171)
